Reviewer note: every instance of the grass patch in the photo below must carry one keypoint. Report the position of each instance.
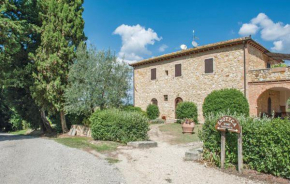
(84, 143)
(20, 132)
(175, 130)
(112, 160)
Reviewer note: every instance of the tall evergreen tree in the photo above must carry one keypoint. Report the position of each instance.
(19, 22)
(61, 32)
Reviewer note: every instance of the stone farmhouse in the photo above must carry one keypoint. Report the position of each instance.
(191, 74)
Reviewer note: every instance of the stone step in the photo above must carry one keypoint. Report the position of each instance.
(142, 144)
(193, 154)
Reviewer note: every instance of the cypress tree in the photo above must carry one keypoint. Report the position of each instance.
(61, 32)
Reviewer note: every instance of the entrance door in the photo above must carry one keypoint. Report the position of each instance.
(177, 101)
(269, 106)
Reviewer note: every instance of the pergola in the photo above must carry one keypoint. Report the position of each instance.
(278, 56)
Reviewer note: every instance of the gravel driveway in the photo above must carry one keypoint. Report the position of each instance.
(25, 159)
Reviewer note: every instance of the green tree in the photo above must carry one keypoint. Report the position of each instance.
(61, 32)
(19, 22)
(96, 79)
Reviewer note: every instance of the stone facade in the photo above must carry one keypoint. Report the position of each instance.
(194, 84)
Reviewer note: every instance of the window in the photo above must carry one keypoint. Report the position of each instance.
(177, 70)
(166, 71)
(154, 101)
(268, 65)
(165, 97)
(208, 65)
(153, 74)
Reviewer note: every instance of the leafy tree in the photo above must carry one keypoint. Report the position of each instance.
(152, 111)
(19, 22)
(187, 110)
(61, 32)
(96, 79)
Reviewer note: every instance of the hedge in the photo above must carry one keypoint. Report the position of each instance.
(266, 144)
(225, 100)
(187, 110)
(131, 108)
(152, 111)
(120, 126)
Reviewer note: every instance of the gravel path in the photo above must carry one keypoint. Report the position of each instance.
(165, 164)
(32, 160)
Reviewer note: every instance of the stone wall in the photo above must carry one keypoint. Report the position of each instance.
(194, 85)
(272, 74)
(256, 59)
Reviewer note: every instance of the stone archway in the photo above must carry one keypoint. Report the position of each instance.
(177, 101)
(260, 92)
(154, 101)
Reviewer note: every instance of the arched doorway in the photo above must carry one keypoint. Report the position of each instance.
(154, 101)
(177, 101)
(273, 101)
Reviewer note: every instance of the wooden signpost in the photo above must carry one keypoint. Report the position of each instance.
(232, 125)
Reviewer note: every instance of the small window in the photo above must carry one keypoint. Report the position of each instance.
(268, 65)
(153, 74)
(154, 101)
(166, 71)
(177, 70)
(165, 97)
(208, 65)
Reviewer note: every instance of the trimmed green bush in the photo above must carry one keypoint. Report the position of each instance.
(120, 126)
(131, 108)
(187, 110)
(226, 100)
(266, 144)
(152, 111)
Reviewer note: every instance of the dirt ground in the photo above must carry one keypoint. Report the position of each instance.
(165, 164)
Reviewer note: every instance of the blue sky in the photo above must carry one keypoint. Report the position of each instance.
(168, 24)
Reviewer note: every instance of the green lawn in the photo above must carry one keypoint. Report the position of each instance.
(84, 143)
(20, 132)
(175, 130)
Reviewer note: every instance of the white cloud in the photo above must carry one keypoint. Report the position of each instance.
(183, 47)
(134, 41)
(248, 29)
(162, 48)
(270, 31)
(278, 45)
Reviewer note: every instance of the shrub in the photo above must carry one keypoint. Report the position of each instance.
(266, 144)
(279, 65)
(121, 126)
(187, 110)
(225, 100)
(131, 108)
(152, 111)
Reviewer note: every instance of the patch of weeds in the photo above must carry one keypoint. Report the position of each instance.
(112, 160)
(84, 143)
(19, 132)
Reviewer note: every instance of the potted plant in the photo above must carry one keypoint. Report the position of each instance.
(187, 126)
(280, 67)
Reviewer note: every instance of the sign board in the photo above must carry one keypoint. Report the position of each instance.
(228, 123)
(232, 125)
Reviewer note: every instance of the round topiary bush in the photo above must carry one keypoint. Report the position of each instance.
(187, 110)
(152, 111)
(226, 101)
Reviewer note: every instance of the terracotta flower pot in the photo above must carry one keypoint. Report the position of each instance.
(278, 69)
(188, 126)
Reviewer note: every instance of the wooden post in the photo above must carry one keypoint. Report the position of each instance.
(240, 152)
(223, 149)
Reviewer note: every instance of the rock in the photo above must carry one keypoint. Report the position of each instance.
(142, 144)
(193, 154)
(80, 130)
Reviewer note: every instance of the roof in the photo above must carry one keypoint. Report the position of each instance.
(203, 48)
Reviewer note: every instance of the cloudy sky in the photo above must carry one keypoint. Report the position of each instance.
(140, 29)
